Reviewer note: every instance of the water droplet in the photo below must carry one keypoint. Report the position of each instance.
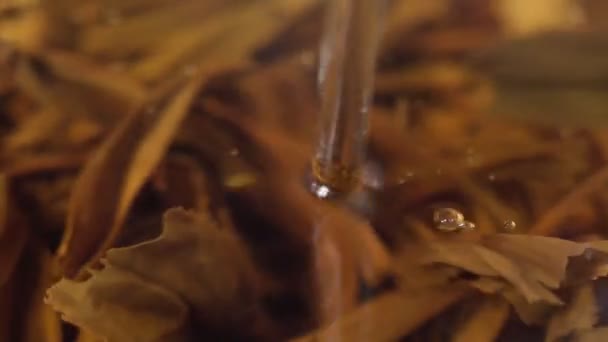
(467, 225)
(491, 177)
(234, 152)
(322, 191)
(509, 225)
(448, 219)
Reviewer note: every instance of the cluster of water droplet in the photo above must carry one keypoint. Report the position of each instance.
(450, 220)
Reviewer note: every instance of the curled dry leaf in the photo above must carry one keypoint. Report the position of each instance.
(43, 323)
(111, 179)
(526, 270)
(193, 273)
(579, 316)
(521, 17)
(13, 233)
(595, 335)
(388, 317)
(486, 323)
(555, 78)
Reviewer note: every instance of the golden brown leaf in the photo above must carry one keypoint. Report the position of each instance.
(580, 315)
(43, 323)
(194, 273)
(13, 233)
(595, 335)
(389, 316)
(526, 270)
(486, 323)
(113, 176)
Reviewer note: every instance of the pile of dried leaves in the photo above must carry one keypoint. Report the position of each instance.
(154, 157)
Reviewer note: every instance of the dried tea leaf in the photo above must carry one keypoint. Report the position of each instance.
(580, 315)
(120, 306)
(553, 78)
(531, 289)
(27, 31)
(109, 182)
(43, 324)
(4, 204)
(85, 336)
(7, 305)
(150, 26)
(215, 275)
(76, 68)
(193, 272)
(595, 335)
(233, 36)
(524, 269)
(548, 264)
(388, 317)
(485, 324)
(521, 17)
(13, 233)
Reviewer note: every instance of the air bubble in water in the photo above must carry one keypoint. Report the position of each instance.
(448, 219)
(509, 225)
(234, 152)
(467, 225)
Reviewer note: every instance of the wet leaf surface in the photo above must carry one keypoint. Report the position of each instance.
(99, 138)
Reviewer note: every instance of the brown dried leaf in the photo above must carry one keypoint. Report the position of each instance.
(548, 264)
(524, 269)
(580, 315)
(43, 324)
(13, 233)
(76, 68)
(7, 305)
(595, 335)
(486, 323)
(231, 35)
(555, 78)
(521, 17)
(120, 306)
(27, 32)
(113, 176)
(193, 271)
(388, 317)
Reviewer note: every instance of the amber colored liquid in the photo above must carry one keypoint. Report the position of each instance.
(346, 76)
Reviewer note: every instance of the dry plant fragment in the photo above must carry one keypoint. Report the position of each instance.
(194, 273)
(113, 176)
(388, 317)
(579, 316)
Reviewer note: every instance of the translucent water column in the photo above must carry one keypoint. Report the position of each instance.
(348, 54)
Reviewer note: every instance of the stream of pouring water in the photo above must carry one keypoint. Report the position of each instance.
(346, 79)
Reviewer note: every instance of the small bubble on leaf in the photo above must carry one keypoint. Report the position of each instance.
(509, 225)
(448, 219)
